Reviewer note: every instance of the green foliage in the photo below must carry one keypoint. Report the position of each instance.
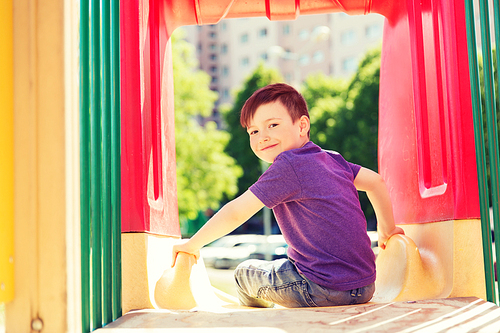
(344, 115)
(483, 108)
(205, 173)
(239, 145)
(495, 82)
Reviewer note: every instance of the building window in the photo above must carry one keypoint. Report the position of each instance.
(303, 34)
(225, 71)
(263, 32)
(244, 38)
(304, 60)
(349, 64)
(286, 29)
(245, 62)
(264, 56)
(213, 56)
(223, 49)
(213, 47)
(214, 79)
(373, 31)
(348, 37)
(225, 93)
(213, 69)
(318, 56)
(213, 34)
(223, 26)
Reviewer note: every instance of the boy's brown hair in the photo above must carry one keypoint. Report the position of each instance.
(291, 99)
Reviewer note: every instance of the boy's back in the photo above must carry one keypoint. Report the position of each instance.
(316, 204)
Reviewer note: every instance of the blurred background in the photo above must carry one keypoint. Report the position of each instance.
(332, 59)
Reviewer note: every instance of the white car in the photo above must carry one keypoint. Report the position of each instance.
(229, 251)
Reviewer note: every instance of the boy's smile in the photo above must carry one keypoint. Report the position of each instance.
(272, 131)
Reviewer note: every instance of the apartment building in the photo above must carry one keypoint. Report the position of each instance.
(330, 43)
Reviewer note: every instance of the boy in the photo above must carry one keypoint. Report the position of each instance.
(313, 194)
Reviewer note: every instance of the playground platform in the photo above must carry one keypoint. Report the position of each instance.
(464, 314)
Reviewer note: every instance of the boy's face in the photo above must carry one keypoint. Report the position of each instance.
(272, 131)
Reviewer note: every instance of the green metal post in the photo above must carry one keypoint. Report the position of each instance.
(85, 164)
(95, 163)
(106, 161)
(480, 151)
(496, 222)
(490, 106)
(116, 159)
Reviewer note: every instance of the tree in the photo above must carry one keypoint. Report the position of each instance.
(486, 133)
(344, 115)
(239, 145)
(205, 173)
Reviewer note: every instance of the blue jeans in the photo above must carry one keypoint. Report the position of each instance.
(262, 283)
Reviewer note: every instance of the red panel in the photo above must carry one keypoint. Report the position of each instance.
(426, 140)
(426, 144)
(149, 199)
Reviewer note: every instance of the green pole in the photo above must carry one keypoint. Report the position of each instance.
(84, 164)
(496, 15)
(480, 152)
(116, 159)
(490, 107)
(106, 160)
(95, 163)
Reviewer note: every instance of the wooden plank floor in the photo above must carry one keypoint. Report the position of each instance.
(468, 314)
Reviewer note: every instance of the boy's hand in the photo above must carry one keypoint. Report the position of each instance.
(383, 237)
(186, 248)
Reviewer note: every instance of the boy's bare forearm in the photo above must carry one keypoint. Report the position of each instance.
(231, 216)
(378, 194)
(382, 206)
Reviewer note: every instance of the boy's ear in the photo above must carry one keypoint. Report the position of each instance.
(304, 124)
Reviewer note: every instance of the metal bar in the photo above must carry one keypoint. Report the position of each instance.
(85, 164)
(480, 151)
(115, 159)
(106, 161)
(496, 222)
(490, 108)
(95, 163)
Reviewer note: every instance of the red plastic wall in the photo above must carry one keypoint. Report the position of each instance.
(149, 188)
(426, 139)
(426, 143)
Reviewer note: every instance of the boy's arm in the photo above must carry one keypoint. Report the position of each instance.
(228, 218)
(374, 186)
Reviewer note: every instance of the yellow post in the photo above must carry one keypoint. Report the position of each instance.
(6, 153)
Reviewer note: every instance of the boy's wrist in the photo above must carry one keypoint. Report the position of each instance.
(188, 246)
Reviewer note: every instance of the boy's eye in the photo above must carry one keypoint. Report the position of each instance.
(272, 125)
(252, 132)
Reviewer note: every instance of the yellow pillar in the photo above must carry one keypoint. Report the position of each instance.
(6, 153)
(40, 195)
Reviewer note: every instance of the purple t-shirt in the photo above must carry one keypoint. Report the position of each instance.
(317, 208)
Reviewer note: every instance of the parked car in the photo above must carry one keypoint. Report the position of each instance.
(273, 248)
(229, 251)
